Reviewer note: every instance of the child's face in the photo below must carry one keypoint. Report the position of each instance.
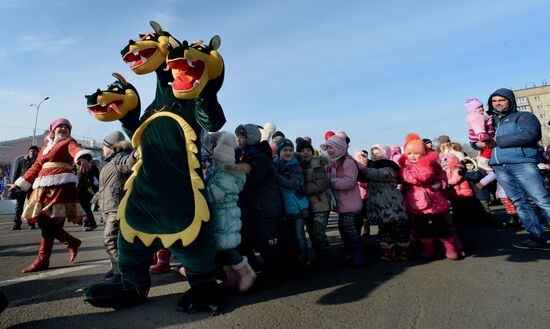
(286, 153)
(470, 166)
(241, 140)
(307, 154)
(479, 109)
(414, 157)
(331, 151)
(376, 154)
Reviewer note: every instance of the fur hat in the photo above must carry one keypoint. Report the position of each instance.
(113, 138)
(471, 104)
(267, 131)
(339, 144)
(250, 131)
(283, 142)
(224, 151)
(414, 144)
(60, 121)
(384, 149)
(303, 144)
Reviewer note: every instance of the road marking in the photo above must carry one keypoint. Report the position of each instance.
(49, 274)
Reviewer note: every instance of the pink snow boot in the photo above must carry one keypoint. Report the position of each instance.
(429, 249)
(247, 274)
(450, 248)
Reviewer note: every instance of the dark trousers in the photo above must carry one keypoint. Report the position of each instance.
(85, 200)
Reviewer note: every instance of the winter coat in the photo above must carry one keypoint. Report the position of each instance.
(517, 133)
(459, 187)
(474, 177)
(316, 184)
(115, 171)
(54, 165)
(290, 178)
(344, 184)
(261, 194)
(384, 202)
(481, 127)
(54, 182)
(223, 189)
(419, 177)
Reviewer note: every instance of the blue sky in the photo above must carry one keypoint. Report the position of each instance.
(375, 69)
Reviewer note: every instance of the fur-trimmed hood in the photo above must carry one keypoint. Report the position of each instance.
(238, 168)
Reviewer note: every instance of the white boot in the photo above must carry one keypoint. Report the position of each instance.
(247, 274)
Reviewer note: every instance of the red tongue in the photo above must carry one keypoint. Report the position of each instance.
(114, 107)
(97, 109)
(182, 84)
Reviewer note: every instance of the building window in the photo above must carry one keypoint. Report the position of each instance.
(524, 108)
(537, 98)
(540, 107)
(543, 115)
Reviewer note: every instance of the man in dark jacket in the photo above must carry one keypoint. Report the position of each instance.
(514, 160)
(20, 169)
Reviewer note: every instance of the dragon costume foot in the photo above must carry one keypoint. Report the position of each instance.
(113, 295)
(202, 297)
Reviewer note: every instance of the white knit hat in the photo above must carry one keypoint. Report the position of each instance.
(224, 151)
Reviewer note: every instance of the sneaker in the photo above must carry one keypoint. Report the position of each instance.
(89, 228)
(16, 226)
(32, 226)
(530, 244)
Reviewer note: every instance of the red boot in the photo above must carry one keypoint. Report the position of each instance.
(163, 262)
(429, 249)
(71, 242)
(450, 248)
(43, 260)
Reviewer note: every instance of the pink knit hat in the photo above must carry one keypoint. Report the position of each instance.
(385, 149)
(60, 121)
(471, 104)
(339, 145)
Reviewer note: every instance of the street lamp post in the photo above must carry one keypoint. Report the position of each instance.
(36, 119)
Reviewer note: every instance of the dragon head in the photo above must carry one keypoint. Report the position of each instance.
(115, 102)
(197, 68)
(151, 50)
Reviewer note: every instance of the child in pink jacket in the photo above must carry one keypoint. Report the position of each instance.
(342, 173)
(467, 210)
(424, 181)
(481, 130)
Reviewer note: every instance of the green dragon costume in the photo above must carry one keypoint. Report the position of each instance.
(164, 204)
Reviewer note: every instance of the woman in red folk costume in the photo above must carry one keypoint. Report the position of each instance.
(54, 197)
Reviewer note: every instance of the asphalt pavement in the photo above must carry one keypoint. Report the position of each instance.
(495, 286)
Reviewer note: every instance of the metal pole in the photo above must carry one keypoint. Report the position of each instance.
(36, 119)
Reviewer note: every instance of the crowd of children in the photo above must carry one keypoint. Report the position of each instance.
(265, 192)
